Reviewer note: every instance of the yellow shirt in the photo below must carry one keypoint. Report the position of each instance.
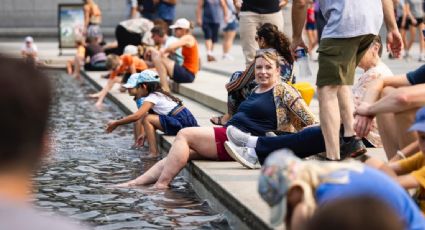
(415, 165)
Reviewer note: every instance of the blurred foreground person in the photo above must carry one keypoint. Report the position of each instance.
(294, 189)
(364, 212)
(24, 101)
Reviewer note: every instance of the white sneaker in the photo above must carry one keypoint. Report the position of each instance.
(240, 154)
(228, 57)
(236, 136)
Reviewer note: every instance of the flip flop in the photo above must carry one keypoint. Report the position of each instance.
(217, 120)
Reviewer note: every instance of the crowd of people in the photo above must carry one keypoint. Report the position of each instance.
(269, 123)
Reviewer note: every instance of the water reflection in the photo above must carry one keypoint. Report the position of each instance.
(76, 179)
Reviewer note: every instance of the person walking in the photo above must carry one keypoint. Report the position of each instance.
(341, 47)
(229, 30)
(209, 17)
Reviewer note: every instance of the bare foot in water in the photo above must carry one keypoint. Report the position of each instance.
(130, 183)
(160, 186)
(94, 95)
(99, 105)
(149, 156)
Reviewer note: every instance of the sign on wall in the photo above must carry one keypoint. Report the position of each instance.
(70, 24)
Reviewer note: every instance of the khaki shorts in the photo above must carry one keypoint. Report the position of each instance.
(339, 57)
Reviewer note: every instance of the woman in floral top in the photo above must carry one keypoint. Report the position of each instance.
(242, 82)
(272, 105)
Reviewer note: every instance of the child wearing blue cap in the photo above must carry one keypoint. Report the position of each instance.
(169, 113)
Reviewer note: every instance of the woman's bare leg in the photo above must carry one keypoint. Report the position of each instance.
(149, 177)
(69, 65)
(228, 38)
(199, 139)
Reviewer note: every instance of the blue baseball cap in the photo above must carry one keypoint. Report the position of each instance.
(419, 124)
(274, 183)
(139, 78)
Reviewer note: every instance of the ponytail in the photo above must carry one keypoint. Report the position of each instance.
(153, 87)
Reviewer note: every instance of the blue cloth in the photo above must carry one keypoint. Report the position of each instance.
(212, 12)
(256, 115)
(374, 183)
(139, 101)
(182, 75)
(210, 31)
(231, 26)
(173, 124)
(417, 76)
(293, 141)
(166, 11)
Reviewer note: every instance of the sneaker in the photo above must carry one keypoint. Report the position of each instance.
(210, 58)
(236, 136)
(105, 76)
(240, 154)
(353, 148)
(228, 57)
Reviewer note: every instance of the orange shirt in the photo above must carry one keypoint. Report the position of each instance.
(127, 61)
(191, 58)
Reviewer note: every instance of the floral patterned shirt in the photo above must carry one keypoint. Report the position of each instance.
(292, 112)
(359, 89)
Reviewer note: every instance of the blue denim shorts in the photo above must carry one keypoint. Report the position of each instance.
(182, 75)
(173, 122)
(231, 26)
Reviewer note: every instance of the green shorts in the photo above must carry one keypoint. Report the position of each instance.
(339, 57)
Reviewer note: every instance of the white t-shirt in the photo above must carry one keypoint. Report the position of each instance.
(162, 104)
(351, 18)
(31, 49)
(178, 52)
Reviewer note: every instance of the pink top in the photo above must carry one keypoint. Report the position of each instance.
(359, 89)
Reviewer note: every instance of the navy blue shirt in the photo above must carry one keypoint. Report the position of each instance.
(212, 12)
(256, 115)
(417, 76)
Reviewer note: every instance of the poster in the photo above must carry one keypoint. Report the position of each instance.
(70, 23)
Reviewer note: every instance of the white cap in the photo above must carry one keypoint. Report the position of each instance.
(29, 39)
(181, 23)
(131, 49)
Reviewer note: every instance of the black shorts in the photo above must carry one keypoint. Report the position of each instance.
(407, 26)
(211, 31)
(182, 75)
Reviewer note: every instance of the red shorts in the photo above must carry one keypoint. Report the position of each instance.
(220, 138)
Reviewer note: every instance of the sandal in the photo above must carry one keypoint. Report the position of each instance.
(217, 120)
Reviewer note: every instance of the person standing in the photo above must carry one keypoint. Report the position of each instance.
(342, 45)
(92, 19)
(229, 30)
(416, 15)
(132, 9)
(254, 13)
(166, 10)
(209, 17)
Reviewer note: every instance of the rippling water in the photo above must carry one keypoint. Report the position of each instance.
(76, 179)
